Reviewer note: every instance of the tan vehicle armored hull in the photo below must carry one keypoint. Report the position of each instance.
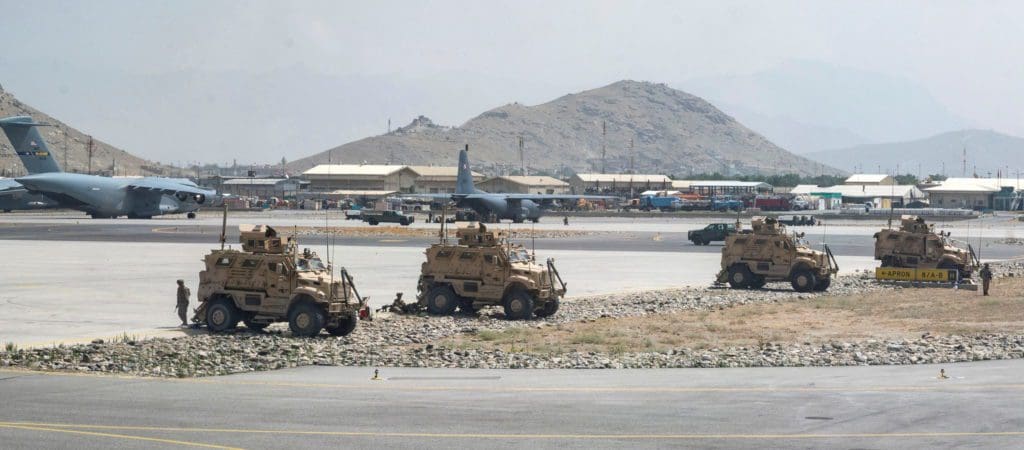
(268, 281)
(916, 245)
(484, 269)
(766, 253)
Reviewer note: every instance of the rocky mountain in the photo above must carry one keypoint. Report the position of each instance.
(106, 159)
(987, 152)
(672, 132)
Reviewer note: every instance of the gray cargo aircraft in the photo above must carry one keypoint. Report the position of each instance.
(13, 127)
(515, 207)
(99, 196)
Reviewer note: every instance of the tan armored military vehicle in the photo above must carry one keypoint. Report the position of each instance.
(766, 252)
(269, 281)
(485, 269)
(916, 245)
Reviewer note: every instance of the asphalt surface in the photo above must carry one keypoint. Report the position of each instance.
(324, 407)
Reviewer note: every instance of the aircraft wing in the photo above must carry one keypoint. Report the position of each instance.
(168, 186)
(10, 187)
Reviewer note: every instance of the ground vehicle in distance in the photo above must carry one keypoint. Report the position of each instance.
(766, 252)
(724, 204)
(353, 214)
(660, 202)
(269, 281)
(916, 245)
(797, 220)
(482, 269)
(376, 217)
(800, 204)
(711, 233)
(772, 203)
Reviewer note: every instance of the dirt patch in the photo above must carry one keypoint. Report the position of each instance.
(900, 314)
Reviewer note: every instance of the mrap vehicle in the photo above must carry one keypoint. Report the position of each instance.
(916, 245)
(766, 252)
(269, 281)
(485, 269)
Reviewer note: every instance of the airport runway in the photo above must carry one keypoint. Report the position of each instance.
(325, 407)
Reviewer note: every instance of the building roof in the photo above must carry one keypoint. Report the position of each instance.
(730, 183)
(354, 169)
(440, 171)
(682, 184)
(534, 180)
(861, 191)
(622, 178)
(361, 193)
(980, 185)
(866, 178)
(254, 181)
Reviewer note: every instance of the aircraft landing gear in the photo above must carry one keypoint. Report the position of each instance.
(191, 215)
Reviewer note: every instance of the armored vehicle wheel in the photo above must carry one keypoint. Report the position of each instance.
(254, 326)
(466, 306)
(345, 326)
(221, 315)
(518, 305)
(441, 301)
(757, 283)
(823, 284)
(306, 319)
(740, 276)
(804, 280)
(549, 309)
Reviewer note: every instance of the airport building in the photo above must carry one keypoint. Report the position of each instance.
(361, 178)
(438, 179)
(709, 188)
(617, 184)
(878, 196)
(870, 179)
(525, 185)
(263, 187)
(977, 193)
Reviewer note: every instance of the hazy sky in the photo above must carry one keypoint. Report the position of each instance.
(966, 54)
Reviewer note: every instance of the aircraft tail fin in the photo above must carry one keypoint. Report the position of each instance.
(29, 145)
(464, 181)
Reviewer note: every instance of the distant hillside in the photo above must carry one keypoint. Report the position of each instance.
(988, 151)
(106, 158)
(673, 133)
(855, 106)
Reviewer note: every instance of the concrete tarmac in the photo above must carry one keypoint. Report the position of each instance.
(978, 406)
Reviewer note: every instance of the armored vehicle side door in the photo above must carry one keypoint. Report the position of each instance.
(280, 281)
(782, 256)
(465, 271)
(493, 272)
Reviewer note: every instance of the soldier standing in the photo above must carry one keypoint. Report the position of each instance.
(565, 220)
(182, 306)
(986, 278)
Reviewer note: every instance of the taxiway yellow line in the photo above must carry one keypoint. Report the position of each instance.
(57, 428)
(550, 436)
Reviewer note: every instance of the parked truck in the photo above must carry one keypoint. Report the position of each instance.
(376, 217)
(660, 202)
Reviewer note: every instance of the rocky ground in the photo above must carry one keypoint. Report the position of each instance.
(408, 341)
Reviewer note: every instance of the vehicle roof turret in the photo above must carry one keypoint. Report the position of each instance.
(477, 235)
(262, 239)
(767, 225)
(914, 224)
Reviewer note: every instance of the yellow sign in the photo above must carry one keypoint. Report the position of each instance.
(902, 274)
(890, 273)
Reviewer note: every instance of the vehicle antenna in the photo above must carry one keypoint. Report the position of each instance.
(224, 227)
(443, 235)
(533, 240)
(327, 227)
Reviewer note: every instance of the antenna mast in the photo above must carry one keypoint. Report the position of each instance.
(604, 147)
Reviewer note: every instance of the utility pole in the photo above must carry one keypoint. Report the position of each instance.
(632, 156)
(965, 162)
(90, 155)
(522, 159)
(604, 148)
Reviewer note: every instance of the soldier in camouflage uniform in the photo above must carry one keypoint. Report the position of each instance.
(182, 306)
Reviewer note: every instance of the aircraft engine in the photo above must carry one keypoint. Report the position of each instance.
(181, 196)
(199, 198)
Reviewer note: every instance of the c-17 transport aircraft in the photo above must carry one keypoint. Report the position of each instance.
(99, 196)
(515, 207)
